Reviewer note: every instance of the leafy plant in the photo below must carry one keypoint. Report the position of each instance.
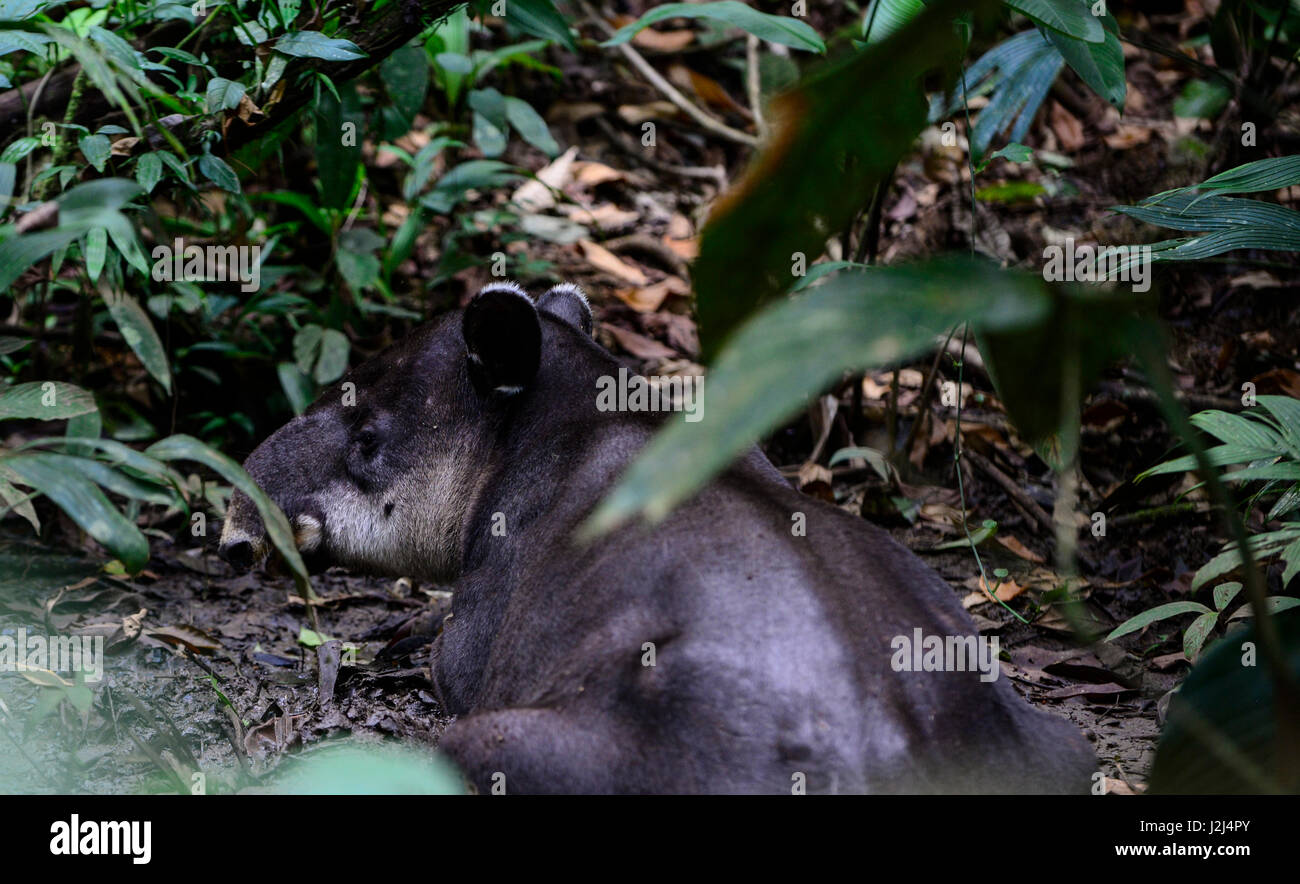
(1225, 223)
(1265, 443)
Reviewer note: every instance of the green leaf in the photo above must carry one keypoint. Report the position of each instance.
(530, 126)
(794, 349)
(1100, 65)
(19, 149)
(406, 74)
(334, 348)
(218, 172)
(490, 123)
(541, 19)
(138, 332)
(296, 385)
(96, 249)
(340, 124)
(884, 18)
(474, 174)
(148, 171)
(360, 271)
(1072, 18)
(84, 503)
(1196, 634)
(306, 347)
(223, 94)
(773, 28)
(1160, 612)
(96, 150)
(45, 401)
(1205, 99)
(814, 175)
(370, 769)
(314, 44)
(182, 447)
(1225, 593)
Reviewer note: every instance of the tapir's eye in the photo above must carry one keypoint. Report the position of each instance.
(368, 442)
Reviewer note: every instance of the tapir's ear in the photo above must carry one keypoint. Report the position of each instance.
(566, 301)
(503, 337)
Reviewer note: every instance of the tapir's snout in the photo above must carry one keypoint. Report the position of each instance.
(243, 537)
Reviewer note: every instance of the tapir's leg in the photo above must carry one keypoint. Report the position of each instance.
(531, 750)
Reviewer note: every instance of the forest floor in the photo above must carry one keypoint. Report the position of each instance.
(211, 670)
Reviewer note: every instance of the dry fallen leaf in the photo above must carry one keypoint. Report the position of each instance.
(1128, 136)
(664, 41)
(638, 345)
(1019, 549)
(1068, 128)
(650, 298)
(604, 260)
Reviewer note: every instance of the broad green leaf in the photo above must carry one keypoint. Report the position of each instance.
(306, 347)
(18, 501)
(773, 28)
(314, 44)
(333, 362)
(530, 125)
(884, 18)
(296, 385)
(797, 347)
(138, 332)
(1224, 593)
(1205, 99)
(359, 270)
(369, 770)
(96, 150)
(473, 174)
(1072, 18)
(1160, 612)
(84, 503)
(223, 94)
(148, 171)
(406, 74)
(539, 18)
(1196, 634)
(45, 401)
(96, 249)
(490, 123)
(19, 149)
(216, 170)
(1100, 65)
(834, 141)
(340, 126)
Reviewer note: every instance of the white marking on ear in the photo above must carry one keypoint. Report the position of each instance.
(572, 288)
(505, 286)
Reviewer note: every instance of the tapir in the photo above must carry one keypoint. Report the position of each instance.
(717, 651)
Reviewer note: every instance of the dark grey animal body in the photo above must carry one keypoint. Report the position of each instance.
(473, 451)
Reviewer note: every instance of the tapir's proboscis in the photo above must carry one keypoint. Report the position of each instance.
(715, 651)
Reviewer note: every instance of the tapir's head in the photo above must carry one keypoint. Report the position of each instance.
(379, 474)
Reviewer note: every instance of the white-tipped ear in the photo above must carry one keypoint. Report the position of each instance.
(503, 339)
(567, 302)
